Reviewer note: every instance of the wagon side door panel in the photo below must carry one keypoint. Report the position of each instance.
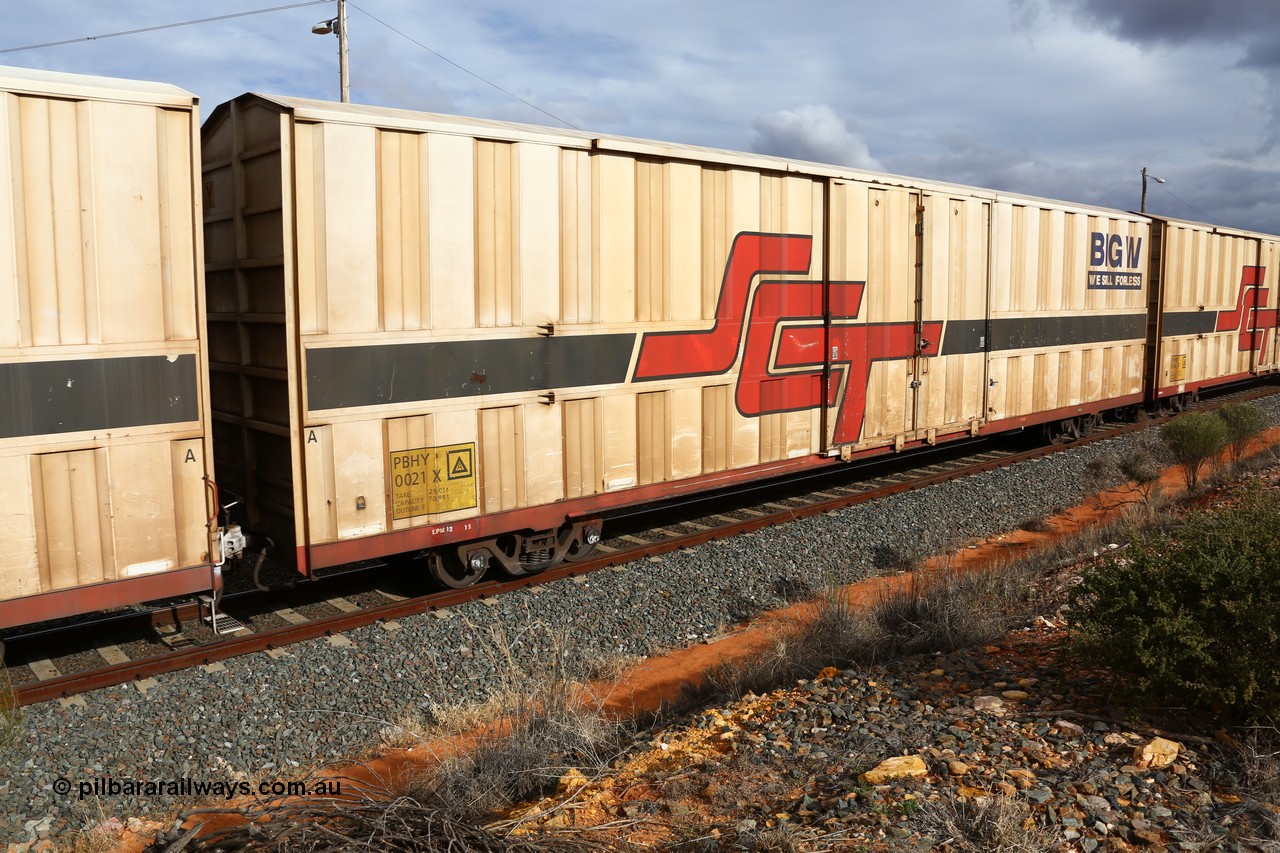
(953, 289)
(872, 315)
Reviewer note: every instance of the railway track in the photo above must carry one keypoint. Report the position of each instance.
(62, 662)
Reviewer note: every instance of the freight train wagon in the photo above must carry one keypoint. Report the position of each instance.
(1214, 310)
(104, 445)
(470, 338)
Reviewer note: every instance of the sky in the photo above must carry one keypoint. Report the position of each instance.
(1066, 99)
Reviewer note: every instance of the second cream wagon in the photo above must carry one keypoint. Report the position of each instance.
(470, 339)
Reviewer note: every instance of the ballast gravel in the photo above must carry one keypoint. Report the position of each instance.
(267, 719)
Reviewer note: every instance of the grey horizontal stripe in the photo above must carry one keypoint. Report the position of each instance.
(77, 395)
(1176, 323)
(345, 377)
(1005, 333)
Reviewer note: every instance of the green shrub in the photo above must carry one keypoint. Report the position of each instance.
(1141, 467)
(1193, 439)
(1191, 615)
(1244, 421)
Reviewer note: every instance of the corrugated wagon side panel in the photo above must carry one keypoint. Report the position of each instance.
(11, 277)
(451, 229)
(538, 221)
(1210, 292)
(402, 230)
(497, 235)
(348, 228)
(717, 424)
(359, 478)
(177, 248)
(502, 458)
(1060, 319)
(103, 416)
(956, 250)
(579, 297)
(683, 240)
(653, 436)
(143, 518)
(581, 431)
(614, 236)
(544, 445)
(890, 295)
(19, 530)
(129, 271)
(1269, 260)
(311, 272)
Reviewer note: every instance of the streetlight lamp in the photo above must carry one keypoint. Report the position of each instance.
(338, 25)
(1145, 175)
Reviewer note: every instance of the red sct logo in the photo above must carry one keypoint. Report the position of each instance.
(778, 337)
(1251, 316)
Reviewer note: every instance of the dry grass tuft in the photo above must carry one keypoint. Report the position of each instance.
(983, 824)
(946, 610)
(383, 822)
(12, 720)
(1254, 760)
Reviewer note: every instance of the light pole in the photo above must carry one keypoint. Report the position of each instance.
(1145, 175)
(338, 25)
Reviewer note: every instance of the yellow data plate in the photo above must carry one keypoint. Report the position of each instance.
(429, 480)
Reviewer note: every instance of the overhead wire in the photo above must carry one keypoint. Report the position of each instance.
(365, 12)
(1114, 191)
(162, 26)
(464, 69)
(1206, 216)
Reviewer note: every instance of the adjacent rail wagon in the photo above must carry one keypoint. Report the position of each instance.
(1211, 297)
(470, 338)
(104, 445)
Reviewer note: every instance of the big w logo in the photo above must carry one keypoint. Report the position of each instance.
(777, 337)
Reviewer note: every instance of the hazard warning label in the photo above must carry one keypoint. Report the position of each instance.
(429, 480)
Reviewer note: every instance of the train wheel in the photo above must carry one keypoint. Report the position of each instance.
(1062, 432)
(583, 545)
(455, 571)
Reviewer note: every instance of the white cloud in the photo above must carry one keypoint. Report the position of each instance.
(812, 132)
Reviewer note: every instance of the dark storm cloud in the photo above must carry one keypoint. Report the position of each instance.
(1262, 55)
(1232, 194)
(1240, 34)
(1175, 22)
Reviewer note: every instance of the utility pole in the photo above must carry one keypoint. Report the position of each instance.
(344, 79)
(338, 26)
